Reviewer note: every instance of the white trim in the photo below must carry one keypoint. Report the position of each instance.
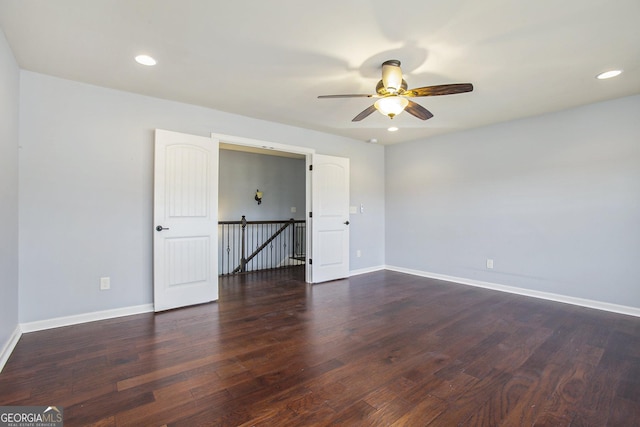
(57, 322)
(9, 346)
(598, 305)
(366, 270)
(267, 145)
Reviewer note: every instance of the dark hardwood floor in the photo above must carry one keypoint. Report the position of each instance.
(380, 349)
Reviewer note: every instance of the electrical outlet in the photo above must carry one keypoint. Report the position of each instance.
(489, 263)
(105, 283)
(358, 253)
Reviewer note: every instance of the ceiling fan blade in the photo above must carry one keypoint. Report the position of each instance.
(418, 110)
(351, 95)
(364, 114)
(440, 90)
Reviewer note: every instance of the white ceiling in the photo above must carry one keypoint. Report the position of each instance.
(271, 59)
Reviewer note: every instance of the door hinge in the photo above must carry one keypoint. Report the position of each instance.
(310, 214)
(310, 261)
(310, 167)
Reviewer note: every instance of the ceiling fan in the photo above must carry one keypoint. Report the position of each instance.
(393, 94)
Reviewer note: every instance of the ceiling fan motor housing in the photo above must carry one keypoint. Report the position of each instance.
(392, 75)
(382, 91)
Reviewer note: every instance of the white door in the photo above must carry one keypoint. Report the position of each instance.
(330, 218)
(185, 258)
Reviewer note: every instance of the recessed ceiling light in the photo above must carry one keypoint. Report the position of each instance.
(392, 129)
(608, 74)
(145, 60)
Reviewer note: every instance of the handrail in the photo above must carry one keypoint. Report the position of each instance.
(259, 222)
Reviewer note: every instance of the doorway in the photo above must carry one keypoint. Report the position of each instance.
(247, 145)
(261, 210)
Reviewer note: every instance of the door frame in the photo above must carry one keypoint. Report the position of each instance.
(308, 153)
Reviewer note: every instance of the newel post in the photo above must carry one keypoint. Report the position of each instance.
(293, 237)
(243, 259)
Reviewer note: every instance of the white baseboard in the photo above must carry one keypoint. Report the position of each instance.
(57, 322)
(598, 305)
(9, 346)
(366, 270)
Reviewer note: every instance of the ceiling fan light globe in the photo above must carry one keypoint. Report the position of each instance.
(391, 105)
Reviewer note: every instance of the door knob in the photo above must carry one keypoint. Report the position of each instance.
(160, 228)
(346, 223)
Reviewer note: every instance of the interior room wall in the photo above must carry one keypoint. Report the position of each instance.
(553, 200)
(9, 99)
(281, 179)
(86, 174)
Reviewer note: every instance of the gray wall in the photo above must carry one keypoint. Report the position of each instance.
(281, 179)
(9, 81)
(554, 200)
(86, 190)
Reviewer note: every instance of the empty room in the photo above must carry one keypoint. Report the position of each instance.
(286, 213)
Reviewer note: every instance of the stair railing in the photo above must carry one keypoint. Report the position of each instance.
(272, 244)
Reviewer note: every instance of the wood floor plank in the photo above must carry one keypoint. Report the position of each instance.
(423, 413)
(377, 349)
